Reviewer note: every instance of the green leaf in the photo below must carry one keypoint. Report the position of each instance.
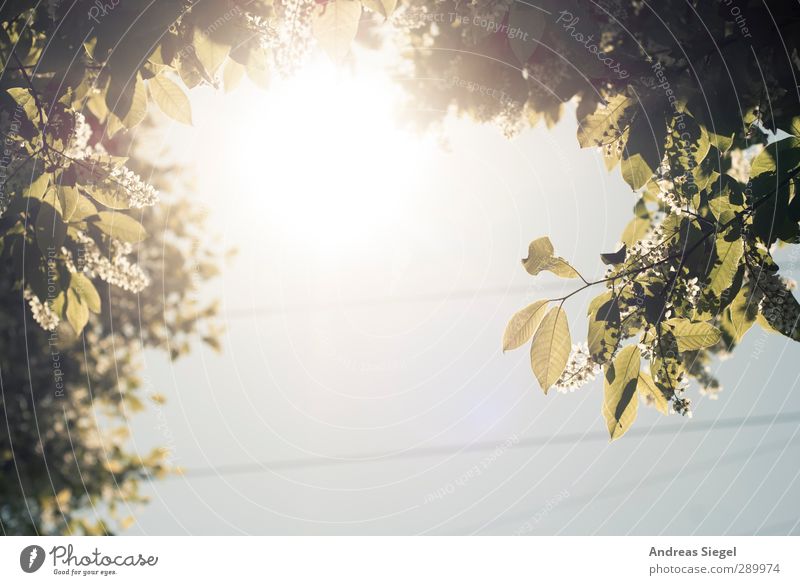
(530, 21)
(605, 123)
(383, 7)
(120, 226)
(604, 331)
(523, 325)
(620, 404)
(77, 312)
(85, 291)
(335, 25)
(730, 249)
(650, 392)
(693, 335)
(171, 99)
(550, 348)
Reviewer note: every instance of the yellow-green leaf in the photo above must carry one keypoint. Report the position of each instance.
(635, 171)
(550, 348)
(638, 227)
(597, 128)
(83, 209)
(77, 312)
(85, 290)
(729, 254)
(604, 330)
(69, 198)
(24, 99)
(120, 226)
(523, 325)
(741, 314)
(652, 395)
(693, 335)
(540, 253)
(620, 404)
(599, 301)
(211, 54)
(561, 267)
(335, 25)
(540, 258)
(171, 99)
(38, 187)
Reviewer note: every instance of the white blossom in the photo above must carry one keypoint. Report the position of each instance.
(115, 269)
(140, 193)
(580, 370)
(41, 312)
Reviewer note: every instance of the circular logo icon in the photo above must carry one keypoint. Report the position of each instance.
(31, 558)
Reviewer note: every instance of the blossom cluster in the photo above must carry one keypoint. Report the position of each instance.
(116, 269)
(580, 370)
(41, 311)
(140, 193)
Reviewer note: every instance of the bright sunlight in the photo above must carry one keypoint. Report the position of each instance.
(319, 155)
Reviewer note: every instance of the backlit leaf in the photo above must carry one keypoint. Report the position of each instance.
(693, 335)
(604, 331)
(540, 257)
(120, 226)
(523, 325)
(605, 123)
(540, 253)
(651, 394)
(77, 312)
(171, 99)
(729, 255)
(335, 25)
(550, 348)
(620, 404)
(87, 293)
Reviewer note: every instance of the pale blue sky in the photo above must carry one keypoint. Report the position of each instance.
(380, 353)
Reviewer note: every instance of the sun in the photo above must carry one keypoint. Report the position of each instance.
(320, 155)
